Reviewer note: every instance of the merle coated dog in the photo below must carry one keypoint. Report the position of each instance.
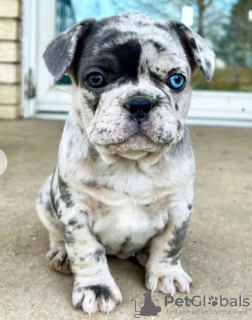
(123, 184)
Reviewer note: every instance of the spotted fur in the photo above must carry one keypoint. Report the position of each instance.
(122, 186)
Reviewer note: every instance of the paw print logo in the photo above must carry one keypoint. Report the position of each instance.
(212, 301)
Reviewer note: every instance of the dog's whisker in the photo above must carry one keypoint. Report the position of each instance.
(57, 88)
(192, 132)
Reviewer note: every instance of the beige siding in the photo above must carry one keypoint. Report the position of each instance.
(10, 58)
(10, 94)
(10, 51)
(10, 73)
(10, 8)
(9, 112)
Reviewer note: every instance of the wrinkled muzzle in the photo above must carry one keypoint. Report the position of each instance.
(132, 119)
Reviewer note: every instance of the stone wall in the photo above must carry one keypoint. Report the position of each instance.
(10, 58)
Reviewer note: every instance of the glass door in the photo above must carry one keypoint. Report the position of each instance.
(227, 25)
(52, 98)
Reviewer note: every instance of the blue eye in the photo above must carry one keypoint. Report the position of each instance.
(96, 80)
(176, 81)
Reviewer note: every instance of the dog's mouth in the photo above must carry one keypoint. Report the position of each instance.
(137, 141)
(134, 147)
(132, 140)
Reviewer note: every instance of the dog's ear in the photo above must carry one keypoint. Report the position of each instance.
(198, 51)
(60, 52)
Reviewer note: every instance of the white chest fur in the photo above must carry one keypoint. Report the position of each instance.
(127, 228)
(127, 202)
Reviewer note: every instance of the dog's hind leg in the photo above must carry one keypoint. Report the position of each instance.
(57, 256)
(142, 256)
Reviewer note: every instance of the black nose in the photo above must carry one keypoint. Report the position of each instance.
(139, 107)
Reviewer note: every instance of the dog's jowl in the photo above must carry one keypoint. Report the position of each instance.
(123, 184)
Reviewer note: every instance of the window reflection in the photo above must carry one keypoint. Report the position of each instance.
(226, 24)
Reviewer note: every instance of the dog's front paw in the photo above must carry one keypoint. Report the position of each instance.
(93, 296)
(168, 279)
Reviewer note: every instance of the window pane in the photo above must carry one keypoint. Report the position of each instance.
(226, 24)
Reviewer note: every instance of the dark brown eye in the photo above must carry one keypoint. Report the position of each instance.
(96, 80)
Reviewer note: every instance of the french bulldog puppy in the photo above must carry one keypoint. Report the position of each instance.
(123, 184)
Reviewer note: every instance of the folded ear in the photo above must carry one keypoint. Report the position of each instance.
(60, 52)
(198, 51)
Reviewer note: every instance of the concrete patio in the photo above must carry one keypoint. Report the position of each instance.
(217, 253)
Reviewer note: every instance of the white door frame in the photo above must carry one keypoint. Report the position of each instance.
(29, 40)
(223, 108)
